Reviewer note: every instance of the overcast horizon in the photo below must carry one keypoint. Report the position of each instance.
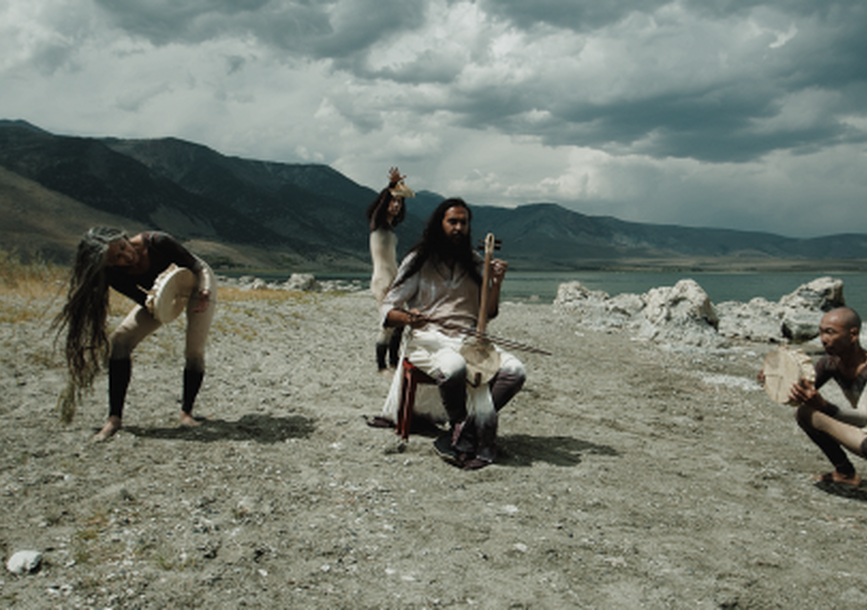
(736, 114)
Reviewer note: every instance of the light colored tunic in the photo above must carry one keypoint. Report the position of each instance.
(383, 252)
(436, 291)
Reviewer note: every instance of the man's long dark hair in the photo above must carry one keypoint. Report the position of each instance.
(435, 243)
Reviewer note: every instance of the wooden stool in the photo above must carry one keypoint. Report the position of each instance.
(412, 376)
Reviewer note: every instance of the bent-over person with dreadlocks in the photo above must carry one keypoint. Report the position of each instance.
(440, 281)
(107, 257)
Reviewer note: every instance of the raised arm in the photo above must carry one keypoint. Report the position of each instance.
(394, 176)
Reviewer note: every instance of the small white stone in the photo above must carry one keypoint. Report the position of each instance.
(24, 562)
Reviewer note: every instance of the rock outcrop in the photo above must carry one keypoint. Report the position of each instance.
(683, 314)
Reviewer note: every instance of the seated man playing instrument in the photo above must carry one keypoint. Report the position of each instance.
(833, 427)
(440, 283)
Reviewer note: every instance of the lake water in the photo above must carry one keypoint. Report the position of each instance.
(720, 287)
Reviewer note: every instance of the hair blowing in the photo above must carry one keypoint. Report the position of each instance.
(86, 309)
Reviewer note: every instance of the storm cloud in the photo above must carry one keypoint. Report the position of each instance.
(739, 114)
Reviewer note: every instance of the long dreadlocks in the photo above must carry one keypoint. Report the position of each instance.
(84, 315)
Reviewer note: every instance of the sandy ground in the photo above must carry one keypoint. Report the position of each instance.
(630, 476)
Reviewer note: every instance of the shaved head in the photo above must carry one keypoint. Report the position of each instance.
(846, 317)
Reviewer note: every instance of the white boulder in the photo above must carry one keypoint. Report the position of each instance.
(302, 281)
(757, 320)
(682, 313)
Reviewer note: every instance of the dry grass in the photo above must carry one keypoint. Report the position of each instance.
(42, 279)
(37, 279)
(227, 294)
(36, 290)
(27, 290)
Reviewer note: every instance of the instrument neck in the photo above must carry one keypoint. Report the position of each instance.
(486, 281)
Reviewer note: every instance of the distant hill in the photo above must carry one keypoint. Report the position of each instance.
(546, 234)
(36, 219)
(21, 124)
(261, 214)
(313, 204)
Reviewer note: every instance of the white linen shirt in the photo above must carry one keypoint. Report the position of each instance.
(437, 291)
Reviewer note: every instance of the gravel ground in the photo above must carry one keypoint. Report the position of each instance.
(630, 476)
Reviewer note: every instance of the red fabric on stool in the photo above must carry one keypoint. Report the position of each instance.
(411, 377)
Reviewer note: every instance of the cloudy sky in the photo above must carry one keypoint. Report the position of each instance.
(744, 114)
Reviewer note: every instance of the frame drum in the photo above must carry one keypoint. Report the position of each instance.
(170, 293)
(783, 368)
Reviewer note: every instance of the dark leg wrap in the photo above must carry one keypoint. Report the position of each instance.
(119, 374)
(394, 346)
(192, 383)
(453, 391)
(504, 386)
(381, 351)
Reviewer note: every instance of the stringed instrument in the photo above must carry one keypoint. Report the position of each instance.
(483, 360)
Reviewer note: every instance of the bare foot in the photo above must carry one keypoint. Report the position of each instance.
(386, 372)
(188, 420)
(835, 477)
(108, 430)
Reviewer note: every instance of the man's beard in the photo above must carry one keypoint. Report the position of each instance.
(456, 247)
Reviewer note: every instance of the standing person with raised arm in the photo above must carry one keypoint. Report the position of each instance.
(386, 212)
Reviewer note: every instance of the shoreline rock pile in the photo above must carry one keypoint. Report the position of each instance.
(297, 281)
(684, 314)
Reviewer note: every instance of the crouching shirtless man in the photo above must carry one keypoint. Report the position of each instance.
(835, 428)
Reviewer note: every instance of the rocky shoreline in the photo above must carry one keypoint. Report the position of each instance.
(684, 315)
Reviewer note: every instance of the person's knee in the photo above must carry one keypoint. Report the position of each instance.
(520, 376)
(514, 367)
(804, 417)
(452, 364)
(121, 346)
(452, 377)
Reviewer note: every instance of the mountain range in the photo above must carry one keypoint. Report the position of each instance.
(242, 213)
